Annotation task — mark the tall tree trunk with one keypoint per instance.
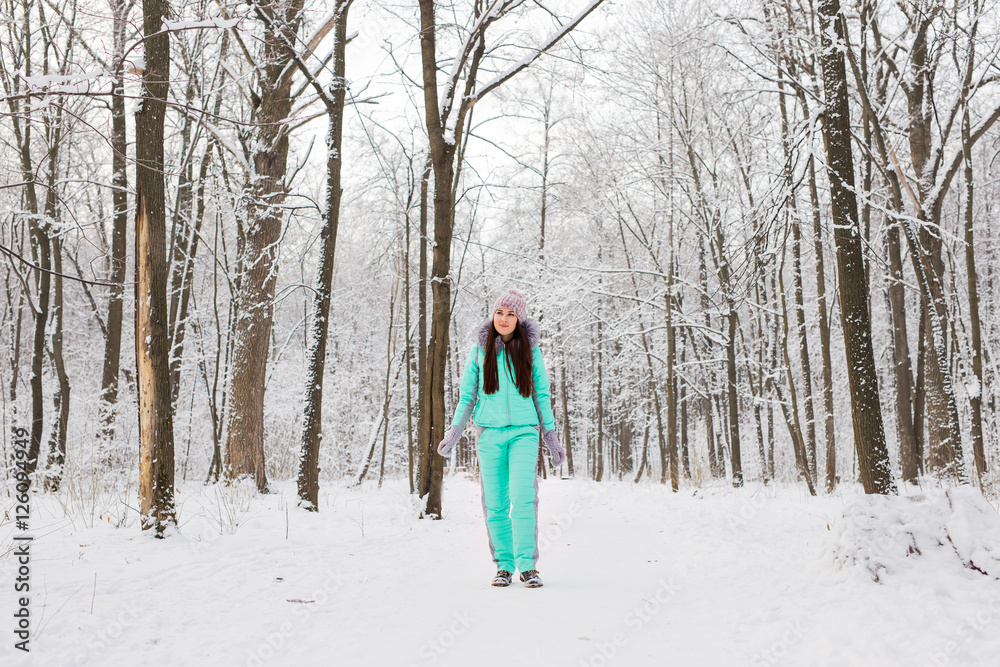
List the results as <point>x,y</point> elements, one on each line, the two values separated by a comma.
<point>409,350</point>
<point>685,450</point>
<point>706,402</point>
<point>442,158</point>
<point>670,303</point>
<point>40,254</point>
<point>258,237</point>
<point>15,347</point>
<point>432,466</point>
<point>599,461</point>
<point>654,389</point>
<point>671,379</point>
<point>564,398</point>
<point>624,441</point>
<point>423,372</point>
<point>733,399</point>
<point>312,423</point>
<point>919,400</point>
<point>800,313</point>
<point>546,140</point>
<point>773,323</point>
<point>60,401</point>
<point>869,435</point>
<point>216,410</point>
<point>976,393</point>
<point>903,375</point>
<point>804,363</point>
<point>156,428</point>
<point>943,438</point>
<point>119,198</point>
<point>714,465</point>
<point>909,425</point>
<point>942,434</point>
<point>760,294</point>
<point>387,393</point>
<point>824,332</point>
<point>792,415</point>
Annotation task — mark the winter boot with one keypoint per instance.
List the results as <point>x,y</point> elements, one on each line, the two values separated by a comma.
<point>502,578</point>
<point>531,579</point>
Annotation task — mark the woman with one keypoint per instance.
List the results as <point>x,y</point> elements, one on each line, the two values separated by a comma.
<point>507,407</point>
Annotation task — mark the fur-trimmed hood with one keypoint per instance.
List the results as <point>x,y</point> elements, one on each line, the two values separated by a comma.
<point>529,325</point>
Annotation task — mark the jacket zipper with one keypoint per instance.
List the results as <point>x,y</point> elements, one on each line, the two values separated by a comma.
<point>507,387</point>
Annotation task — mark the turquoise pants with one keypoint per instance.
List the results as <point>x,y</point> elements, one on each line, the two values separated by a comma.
<point>507,462</point>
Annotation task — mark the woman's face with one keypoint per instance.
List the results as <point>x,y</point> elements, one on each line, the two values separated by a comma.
<point>504,320</point>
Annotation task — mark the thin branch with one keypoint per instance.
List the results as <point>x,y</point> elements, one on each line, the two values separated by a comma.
<point>551,42</point>
<point>100,283</point>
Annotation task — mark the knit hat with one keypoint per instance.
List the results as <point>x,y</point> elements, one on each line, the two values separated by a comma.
<point>511,299</point>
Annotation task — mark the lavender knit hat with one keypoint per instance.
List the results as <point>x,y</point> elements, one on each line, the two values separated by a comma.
<point>511,299</point>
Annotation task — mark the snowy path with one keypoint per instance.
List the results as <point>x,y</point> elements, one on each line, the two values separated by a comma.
<point>634,575</point>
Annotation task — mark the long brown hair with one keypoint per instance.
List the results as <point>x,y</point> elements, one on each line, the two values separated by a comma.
<point>518,359</point>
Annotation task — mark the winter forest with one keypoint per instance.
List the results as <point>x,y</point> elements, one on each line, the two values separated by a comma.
<point>246,249</point>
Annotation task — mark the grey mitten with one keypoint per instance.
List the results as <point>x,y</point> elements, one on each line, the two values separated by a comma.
<point>451,437</point>
<point>556,452</point>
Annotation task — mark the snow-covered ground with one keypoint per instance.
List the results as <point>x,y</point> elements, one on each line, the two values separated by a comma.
<point>634,575</point>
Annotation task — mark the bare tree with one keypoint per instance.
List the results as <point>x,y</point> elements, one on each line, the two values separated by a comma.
<point>21,67</point>
<point>260,219</point>
<point>119,195</point>
<point>866,412</point>
<point>930,126</point>
<point>156,425</point>
<point>312,426</point>
<point>446,112</point>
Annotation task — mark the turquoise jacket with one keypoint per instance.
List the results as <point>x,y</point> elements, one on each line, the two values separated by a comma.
<point>505,407</point>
